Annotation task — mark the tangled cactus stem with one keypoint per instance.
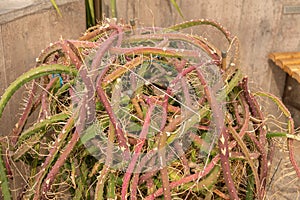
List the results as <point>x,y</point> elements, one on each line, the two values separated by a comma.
<point>261,129</point>
<point>30,75</point>
<point>53,152</point>
<point>59,163</point>
<point>137,152</point>
<point>192,23</point>
<point>108,38</point>
<point>187,179</point>
<point>224,156</point>
<point>21,123</point>
<point>291,128</point>
<point>249,160</point>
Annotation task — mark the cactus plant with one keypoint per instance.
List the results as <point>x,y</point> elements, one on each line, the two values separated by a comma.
<point>141,113</point>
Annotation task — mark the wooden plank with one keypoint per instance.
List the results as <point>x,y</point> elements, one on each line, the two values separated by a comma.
<point>296,75</point>
<point>287,61</point>
<point>290,69</point>
<point>283,55</point>
<point>293,70</point>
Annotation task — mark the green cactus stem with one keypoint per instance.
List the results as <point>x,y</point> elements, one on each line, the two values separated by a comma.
<point>30,75</point>
<point>192,23</point>
<point>3,179</point>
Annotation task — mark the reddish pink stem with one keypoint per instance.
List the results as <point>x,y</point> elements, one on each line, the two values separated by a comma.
<point>187,179</point>
<point>59,163</point>
<point>137,152</point>
<point>224,156</point>
<point>20,124</point>
<point>257,113</point>
<point>291,149</point>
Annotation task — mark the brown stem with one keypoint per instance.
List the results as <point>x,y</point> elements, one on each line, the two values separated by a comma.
<point>147,176</point>
<point>108,162</point>
<point>101,51</point>
<point>163,165</point>
<point>120,70</point>
<point>236,113</point>
<point>137,107</point>
<point>134,186</point>
<point>254,109</point>
<point>216,109</point>
<point>73,53</point>
<point>192,39</point>
<point>104,28</point>
<point>291,128</point>
<point>198,22</point>
<point>245,125</point>
<point>168,52</point>
<point>249,160</point>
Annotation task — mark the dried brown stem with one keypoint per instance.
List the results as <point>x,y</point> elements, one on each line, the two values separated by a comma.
<point>245,151</point>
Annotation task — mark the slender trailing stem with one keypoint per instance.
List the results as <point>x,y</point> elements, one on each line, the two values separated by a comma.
<point>100,183</point>
<point>224,156</point>
<point>119,133</point>
<point>30,75</point>
<point>123,69</point>
<point>187,179</point>
<point>249,160</point>
<point>20,124</point>
<point>44,104</point>
<point>42,126</point>
<point>154,50</point>
<point>99,191</point>
<point>257,113</point>
<point>58,164</point>
<point>198,41</point>
<point>291,128</point>
<point>53,152</point>
<point>137,152</point>
<point>192,23</point>
<point>205,183</point>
